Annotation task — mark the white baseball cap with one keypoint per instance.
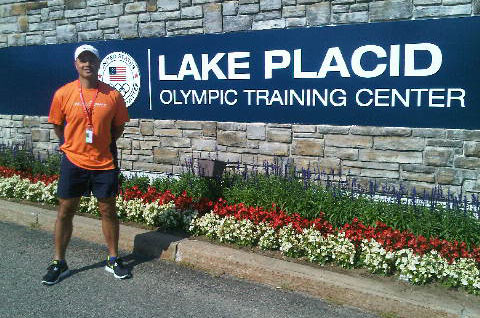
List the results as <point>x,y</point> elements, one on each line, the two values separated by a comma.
<point>84,48</point>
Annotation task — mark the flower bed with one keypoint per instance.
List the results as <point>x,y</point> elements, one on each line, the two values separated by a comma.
<point>380,249</point>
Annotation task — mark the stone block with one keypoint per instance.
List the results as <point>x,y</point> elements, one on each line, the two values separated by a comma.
<point>472,185</point>
<point>86,26</point>
<point>359,7</point>
<point>237,23</point>
<point>429,132</point>
<point>269,24</point>
<point>449,176</point>
<point>183,31</point>
<point>66,33</point>
<point>418,168</point>
<point>124,143</point>
<point>204,144</point>
<point>371,165</point>
<point>467,162</point>
<point>248,8</point>
<point>108,23</point>
<point>350,17</point>
<point>151,5</point>
<point>442,11</point>
<point>151,29</point>
<point>16,39</point>
<point>35,40</point>
<point>438,156</point>
<point>41,135</point>
<point>327,129</point>
<point>472,149</point>
<point>42,26</point>
<point>268,5</point>
<point>279,135</point>
<point>390,10</point>
<point>168,5</point>
<point>9,27</point>
<point>463,134</point>
<point>23,24</point>
<point>75,4</point>
<point>55,15</point>
<point>232,138</point>
<point>318,164</point>
<point>186,124</point>
<point>163,16</point>
<point>94,3</point>
<point>149,145</point>
<point>304,128</point>
<point>162,124</point>
<point>414,176</point>
<point>184,24</point>
<point>476,7</point>
<point>342,153</point>
<point>114,10</point>
<point>229,157</point>
<point>209,129</point>
<point>296,22</point>
<point>147,166</point>
<point>176,142</point>
<point>146,128</point>
<point>165,156</point>
<point>230,8</point>
<point>167,132</point>
<point>432,142</point>
<point>193,12</point>
<point>293,11</point>
<point>90,35</point>
<point>213,18</point>
<point>306,147</point>
<point>390,156</point>
<point>30,121</point>
<point>273,149</point>
<point>426,2</point>
<point>256,131</point>
<point>128,26</point>
<point>372,173</point>
<point>348,141</point>
<point>232,126</point>
<point>318,13</point>
<point>136,7</point>
<point>399,143</point>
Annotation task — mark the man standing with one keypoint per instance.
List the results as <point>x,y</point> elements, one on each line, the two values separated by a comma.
<point>87,116</point>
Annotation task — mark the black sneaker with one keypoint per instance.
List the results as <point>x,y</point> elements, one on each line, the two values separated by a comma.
<point>117,269</point>
<point>56,271</point>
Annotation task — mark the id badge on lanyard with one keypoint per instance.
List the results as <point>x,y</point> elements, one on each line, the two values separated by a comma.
<point>88,112</point>
<point>89,135</point>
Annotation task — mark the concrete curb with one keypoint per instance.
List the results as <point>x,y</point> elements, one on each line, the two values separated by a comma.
<point>377,295</point>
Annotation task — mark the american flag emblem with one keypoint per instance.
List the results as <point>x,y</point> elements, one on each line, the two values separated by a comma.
<point>117,73</point>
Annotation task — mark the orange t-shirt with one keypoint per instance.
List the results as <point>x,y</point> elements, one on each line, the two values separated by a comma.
<point>109,110</point>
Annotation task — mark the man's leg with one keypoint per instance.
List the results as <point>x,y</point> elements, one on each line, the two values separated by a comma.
<point>111,229</point>
<point>64,226</point>
<point>110,224</point>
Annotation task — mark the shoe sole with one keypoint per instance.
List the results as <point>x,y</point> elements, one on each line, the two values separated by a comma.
<point>60,277</point>
<point>110,270</point>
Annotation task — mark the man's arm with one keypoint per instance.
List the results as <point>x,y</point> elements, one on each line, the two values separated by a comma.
<point>117,131</point>
<point>59,130</point>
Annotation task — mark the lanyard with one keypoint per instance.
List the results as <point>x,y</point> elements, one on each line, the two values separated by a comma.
<point>87,111</point>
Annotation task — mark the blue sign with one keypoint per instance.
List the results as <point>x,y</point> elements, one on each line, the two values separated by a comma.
<point>400,74</point>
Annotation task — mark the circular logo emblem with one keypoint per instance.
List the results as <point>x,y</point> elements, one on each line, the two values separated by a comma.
<point>119,70</point>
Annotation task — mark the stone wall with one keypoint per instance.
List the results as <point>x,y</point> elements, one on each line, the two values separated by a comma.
<point>417,157</point>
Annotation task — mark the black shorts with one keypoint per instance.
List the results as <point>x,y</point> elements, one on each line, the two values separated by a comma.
<point>75,182</point>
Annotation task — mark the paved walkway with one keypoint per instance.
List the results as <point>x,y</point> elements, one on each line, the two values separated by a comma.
<point>353,288</point>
